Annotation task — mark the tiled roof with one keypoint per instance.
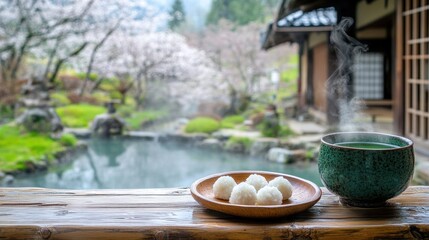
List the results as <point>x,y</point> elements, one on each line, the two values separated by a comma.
<point>314,18</point>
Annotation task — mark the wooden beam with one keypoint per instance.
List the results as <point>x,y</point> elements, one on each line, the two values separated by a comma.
<point>399,81</point>
<point>304,29</point>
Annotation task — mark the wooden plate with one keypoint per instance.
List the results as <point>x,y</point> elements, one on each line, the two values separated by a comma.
<point>305,195</point>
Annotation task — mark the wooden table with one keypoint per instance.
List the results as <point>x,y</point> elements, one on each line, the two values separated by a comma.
<point>36,213</point>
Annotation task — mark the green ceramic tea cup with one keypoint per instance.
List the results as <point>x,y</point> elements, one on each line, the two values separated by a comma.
<point>365,169</point>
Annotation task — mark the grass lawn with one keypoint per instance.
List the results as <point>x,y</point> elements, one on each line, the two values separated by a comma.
<point>79,115</point>
<point>137,119</point>
<point>18,147</point>
<point>202,125</point>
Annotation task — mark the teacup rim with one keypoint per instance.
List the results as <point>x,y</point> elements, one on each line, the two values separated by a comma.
<point>409,142</point>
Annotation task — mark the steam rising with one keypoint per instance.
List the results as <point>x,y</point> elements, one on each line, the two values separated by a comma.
<point>349,109</point>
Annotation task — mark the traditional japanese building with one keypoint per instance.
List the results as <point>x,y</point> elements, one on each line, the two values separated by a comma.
<point>392,76</point>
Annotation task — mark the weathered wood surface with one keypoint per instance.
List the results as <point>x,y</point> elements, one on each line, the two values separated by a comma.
<point>36,213</point>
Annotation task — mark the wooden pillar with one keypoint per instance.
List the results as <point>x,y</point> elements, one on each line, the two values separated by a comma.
<point>399,84</point>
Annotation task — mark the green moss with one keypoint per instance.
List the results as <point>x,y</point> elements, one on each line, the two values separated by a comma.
<point>231,121</point>
<point>245,141</point>
<point>270,130</point>
<point>227,125</point>
<point>109,84</point>
<point>136,119</point>
<point>202,125</point>
<point>60,98</point>
<point>100,97</point>
<point>79,115</point>
<point>286,131</point>
<point>18,147</point>
<point>68,140</point>
<point>279,131</point>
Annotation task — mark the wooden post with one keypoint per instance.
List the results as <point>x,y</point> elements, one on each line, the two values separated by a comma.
<point>398,95</point>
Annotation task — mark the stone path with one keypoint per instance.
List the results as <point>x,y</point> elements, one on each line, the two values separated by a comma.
<point>303,128</point>
<point>237,133</point>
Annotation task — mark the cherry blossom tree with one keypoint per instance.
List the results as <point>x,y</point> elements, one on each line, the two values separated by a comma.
<point>28,25</point>
<point>243,66</point>
<point>113,38</point>
<point>53,32</point>
<point>158,63</point>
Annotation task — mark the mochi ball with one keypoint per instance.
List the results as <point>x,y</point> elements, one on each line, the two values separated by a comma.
<point>223,186</point>
<point>283,185</point>
<point>269,196</point>
<point>244,194</point>
<point>257,181</point>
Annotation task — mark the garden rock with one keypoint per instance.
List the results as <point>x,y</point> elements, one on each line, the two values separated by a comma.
<point>38,114</point>
<point>225,134</point>
<point>81,133</point>
<point>235,147</point>
<point>8,179</point>
<point>106,125</point>
<point>261,146</point>
<point>210,143</point>
<point>184,138</point>
<point>151,136</point>
<point>282,155</point>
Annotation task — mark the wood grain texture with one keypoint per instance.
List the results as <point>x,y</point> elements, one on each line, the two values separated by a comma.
<point>36,213</point>
<point>305,194</point>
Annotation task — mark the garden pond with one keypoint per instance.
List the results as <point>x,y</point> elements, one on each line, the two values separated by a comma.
<point>127,163</point>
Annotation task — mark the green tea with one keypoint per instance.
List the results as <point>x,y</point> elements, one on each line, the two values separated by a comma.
<point>367,145</point>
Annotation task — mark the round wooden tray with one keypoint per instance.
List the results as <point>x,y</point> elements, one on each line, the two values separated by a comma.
<point>305,195</point>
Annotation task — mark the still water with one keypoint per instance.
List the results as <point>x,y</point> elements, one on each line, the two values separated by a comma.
<point>120,163</point>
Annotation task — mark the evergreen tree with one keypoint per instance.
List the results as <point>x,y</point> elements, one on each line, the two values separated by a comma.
<point>240,12</point>
<point>177,15</point>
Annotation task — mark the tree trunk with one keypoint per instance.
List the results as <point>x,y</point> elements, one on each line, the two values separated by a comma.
<point>62,60</point>
<point>15,68</point>
<point>51,59</point>
<point>94,52</point>
<point>97,84</point>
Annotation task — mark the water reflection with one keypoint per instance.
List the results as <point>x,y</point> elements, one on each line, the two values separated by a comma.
<point>119,163</point>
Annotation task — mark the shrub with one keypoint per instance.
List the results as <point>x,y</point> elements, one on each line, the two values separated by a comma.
<point>227,125</point>
<point>244,141</point>
<point>79,115</point>
<point>82,75</point>
<point>269,130</point>
<point>68,140</point>
<point>75,98</point>
<point>202,125</point>
<point>60,98</point>
<point>276,131</point>
<point>137,119</point>
<point>115,95</point>
<point>285,131</point>
<point>70,82</point>
<point>231,121</point>
<point>100,97</point>
<point>129,101</point>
